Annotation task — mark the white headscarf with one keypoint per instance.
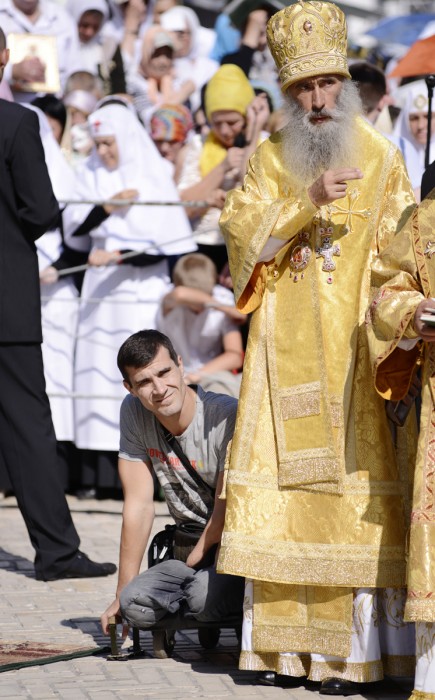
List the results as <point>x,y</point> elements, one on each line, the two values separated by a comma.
<point>83,100</point>
<point>77,8</point>
<point>63,180</point>
<point>178,19</point>
<point>61,173</point>
<point>195,66</point>
<point>413,97</point>
<point>158,229</point>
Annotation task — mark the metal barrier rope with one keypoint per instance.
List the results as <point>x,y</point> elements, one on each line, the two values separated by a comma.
<point>124,256</point>
<point>97,300</point>
<point>135,202</point>
<point>74,395</point>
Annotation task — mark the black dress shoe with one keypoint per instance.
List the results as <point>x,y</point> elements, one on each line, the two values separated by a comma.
<point>277,679</point>
<point>265,678</point>
<point>339,686</point>
<point>80,567</point>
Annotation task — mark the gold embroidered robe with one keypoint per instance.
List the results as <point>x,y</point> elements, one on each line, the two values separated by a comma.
<point>406,271</point>
<point>316,503</point>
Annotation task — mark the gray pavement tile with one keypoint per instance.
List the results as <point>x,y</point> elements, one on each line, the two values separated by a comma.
<point>8,690</point>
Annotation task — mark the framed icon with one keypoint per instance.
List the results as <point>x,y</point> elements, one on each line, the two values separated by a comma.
<point>22,46</point>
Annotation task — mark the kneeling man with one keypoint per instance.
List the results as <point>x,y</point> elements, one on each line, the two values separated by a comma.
<point>160,406</point>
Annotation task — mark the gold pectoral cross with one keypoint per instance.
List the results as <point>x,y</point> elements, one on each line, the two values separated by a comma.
<point>327,250</point>
<point>351,212</point>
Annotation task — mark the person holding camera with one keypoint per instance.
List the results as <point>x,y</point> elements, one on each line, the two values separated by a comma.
<point>212,167</point>
<point>180,433</point>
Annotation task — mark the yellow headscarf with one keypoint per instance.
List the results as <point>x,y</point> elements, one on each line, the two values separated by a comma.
<point>228,89</point>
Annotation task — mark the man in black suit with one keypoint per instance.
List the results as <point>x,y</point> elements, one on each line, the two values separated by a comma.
<point>28,208</point>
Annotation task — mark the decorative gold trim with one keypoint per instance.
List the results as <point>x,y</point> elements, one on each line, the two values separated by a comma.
<point>309,67</point>
<point>400,666</point>
<point>418,610</point>
<point>306,639</point>
<point>260,481</point>
<point>250,398</point>
<point>307,404</point>
<point>296,666</point>
<point>351,487</point>
<point>300,400</point>
<point>337,413</point>
<point>421,695</point>
<point>300,665</point>
<point>309,469</point>
<point>343,567</point>
<point>365,672</point>
<point>307,551</point>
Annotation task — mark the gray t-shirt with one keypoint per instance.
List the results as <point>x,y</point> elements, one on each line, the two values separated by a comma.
<point>204,442</point>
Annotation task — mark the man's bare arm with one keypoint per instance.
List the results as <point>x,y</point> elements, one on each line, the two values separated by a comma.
<point>213,530</point>
<point>137,519</point>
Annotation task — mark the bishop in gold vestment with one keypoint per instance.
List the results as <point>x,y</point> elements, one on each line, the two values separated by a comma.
<point>405,273</point>
<point>317,501</point>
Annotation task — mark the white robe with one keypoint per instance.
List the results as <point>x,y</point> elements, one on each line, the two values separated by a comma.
<point>119,300</point>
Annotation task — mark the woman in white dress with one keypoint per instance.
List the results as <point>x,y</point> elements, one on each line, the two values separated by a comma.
<point>410,130</point>
<point>118,299</point>
<point>59,297</point>
<point>59,310</point>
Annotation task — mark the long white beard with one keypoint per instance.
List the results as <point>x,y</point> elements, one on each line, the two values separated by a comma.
<point>311,149</point>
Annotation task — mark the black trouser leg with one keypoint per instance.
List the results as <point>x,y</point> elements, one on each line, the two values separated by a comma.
<point>28,447</point>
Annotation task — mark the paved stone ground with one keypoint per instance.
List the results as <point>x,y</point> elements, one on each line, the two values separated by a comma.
<point>68,612</point>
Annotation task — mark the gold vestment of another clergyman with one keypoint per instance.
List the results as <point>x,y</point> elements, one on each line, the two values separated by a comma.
<point>317,495</point>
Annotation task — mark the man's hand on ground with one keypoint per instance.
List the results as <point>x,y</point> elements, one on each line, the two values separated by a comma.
<point>113,611</point>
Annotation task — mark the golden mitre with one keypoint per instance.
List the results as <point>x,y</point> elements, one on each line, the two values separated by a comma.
<point>308,39</point>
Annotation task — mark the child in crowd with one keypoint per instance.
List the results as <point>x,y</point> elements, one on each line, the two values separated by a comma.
<point>200,317</point>
<point>152,82</point>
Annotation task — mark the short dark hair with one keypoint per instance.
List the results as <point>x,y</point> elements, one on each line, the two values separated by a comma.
<point>53,107</point>
<point>371,81</point>
<point>141,348</point>
<point>2,39</point>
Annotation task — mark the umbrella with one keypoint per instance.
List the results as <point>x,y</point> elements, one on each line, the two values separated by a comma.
<point>403,30</point>
<point>420,60</point>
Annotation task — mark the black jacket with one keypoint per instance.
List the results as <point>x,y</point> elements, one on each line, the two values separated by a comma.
<point>428,180</point>
<point>28,209</point>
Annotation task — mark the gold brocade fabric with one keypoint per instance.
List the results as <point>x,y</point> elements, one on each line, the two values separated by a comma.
<point>315,497</point>
<point>313,617</point>
<point>406,271</point>
<point>298,666</point>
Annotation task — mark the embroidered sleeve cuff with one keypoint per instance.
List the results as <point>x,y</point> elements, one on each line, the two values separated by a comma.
<point>295,214</point>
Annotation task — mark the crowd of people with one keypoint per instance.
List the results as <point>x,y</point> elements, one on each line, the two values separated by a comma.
<point>207,177</point>
<point>143,114</point>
